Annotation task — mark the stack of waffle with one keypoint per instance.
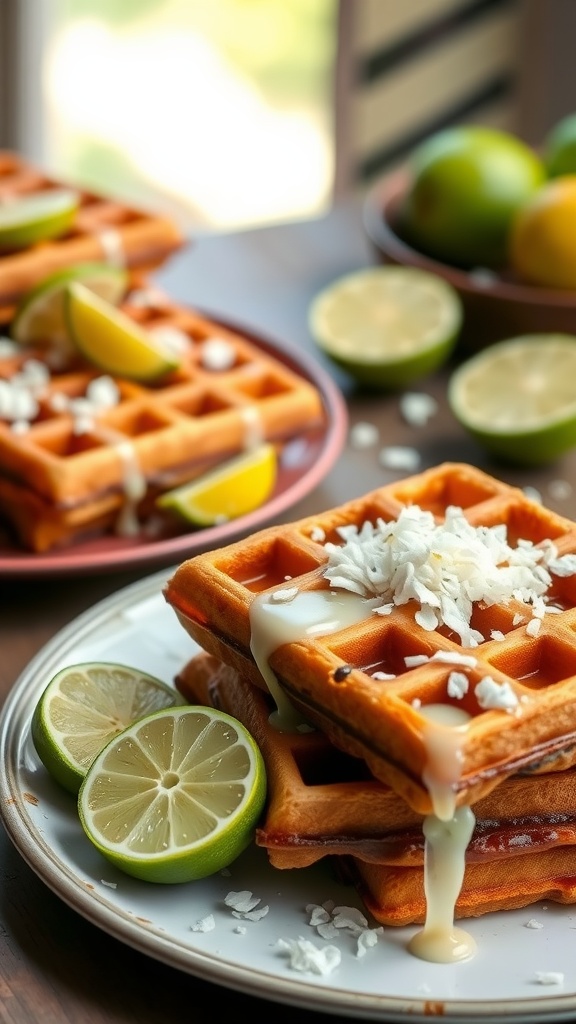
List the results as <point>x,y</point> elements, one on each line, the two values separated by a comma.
<point>357,788</point>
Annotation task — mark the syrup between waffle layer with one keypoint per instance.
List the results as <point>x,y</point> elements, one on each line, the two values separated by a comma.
<point>330,678</point>
<point>56,482</point>
<point>323,803</point>
<point>104,230</point>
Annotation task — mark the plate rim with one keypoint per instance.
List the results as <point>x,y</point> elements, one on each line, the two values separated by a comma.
<point>21,564</point>
<point>119,924</point>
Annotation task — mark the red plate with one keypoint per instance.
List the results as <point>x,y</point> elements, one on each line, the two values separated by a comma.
<point>305,461</point>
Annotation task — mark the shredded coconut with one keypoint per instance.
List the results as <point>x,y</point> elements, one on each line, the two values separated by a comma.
<point>491,694</point>
<point>204,924</point>
<point>399,457</point>
<point>244,905</point>
<point>111,885</point>
<point>417,408</point>
<point>364,435</point>
<point>285,595</point>
<point>497,634</point>
<point>533,627</point>
<point>533,493</point>
<point>549,977</point>
<point>330,920</point>
<point>317,534</point>
<point>217,354</point>
<point>445,568</point>
<point>457,685</point>
<point>304,956</point>
<point>533,923</point>
<point>559,490</point>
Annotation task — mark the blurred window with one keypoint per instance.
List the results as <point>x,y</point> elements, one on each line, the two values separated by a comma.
<point>218,111</point>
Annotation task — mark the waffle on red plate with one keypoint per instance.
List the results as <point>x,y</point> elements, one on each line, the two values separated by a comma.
<point>426,628</point>
<point>59,483</point>
<point>103,230</point>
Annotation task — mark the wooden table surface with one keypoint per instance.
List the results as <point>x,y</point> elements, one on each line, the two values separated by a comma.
<point>54,965</point>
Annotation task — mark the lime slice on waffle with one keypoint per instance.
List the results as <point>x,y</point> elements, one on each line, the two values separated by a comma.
<point>387,325</point>
<point>518,397</point>
<point>109,339</point>
<point>176,796</point>
<point>39,317</point>
<point>36,217</point>
<point>84,707</point>
<point>233,489</point>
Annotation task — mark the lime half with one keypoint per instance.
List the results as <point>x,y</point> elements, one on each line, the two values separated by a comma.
<point>111,340</point>
<point>37,217</point>
<point>39,317</point>
<point>176,796</point>
<point>518,397</point>
<point>84,707</point>
<point>387,325</point>
<point>233,489</point>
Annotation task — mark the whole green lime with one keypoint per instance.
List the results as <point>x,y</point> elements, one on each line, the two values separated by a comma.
<point>465,186</point>
<point>559,150</point>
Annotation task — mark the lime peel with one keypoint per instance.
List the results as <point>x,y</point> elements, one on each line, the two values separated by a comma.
<point>83,707</point>
<point>518,399</point>
<point>176,796</point>
<point>37,217</point>
<point>387,326</point>
<point>40,319</point>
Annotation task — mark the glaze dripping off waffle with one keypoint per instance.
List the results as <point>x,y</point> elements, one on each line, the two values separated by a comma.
<point>369,685</point>
<point>57,483</point>
<point>324,803</point>
<point>104,229</point>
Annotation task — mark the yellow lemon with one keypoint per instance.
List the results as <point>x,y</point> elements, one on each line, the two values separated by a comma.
<point>111,340</point>
<point>543,236</point>
<point>233,489</point>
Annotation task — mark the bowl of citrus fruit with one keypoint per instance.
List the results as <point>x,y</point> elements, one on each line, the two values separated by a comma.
<point>492,216</point>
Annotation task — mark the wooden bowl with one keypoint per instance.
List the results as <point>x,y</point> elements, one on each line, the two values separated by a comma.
<point>496,306</point>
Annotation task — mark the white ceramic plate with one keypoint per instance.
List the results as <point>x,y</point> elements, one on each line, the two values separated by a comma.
<point>501,983</point>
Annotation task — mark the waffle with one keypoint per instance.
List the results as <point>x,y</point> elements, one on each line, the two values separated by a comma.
<point>323,803</point>
<point>57,483</point>
<point>331,679</point>
<point>104,230</point>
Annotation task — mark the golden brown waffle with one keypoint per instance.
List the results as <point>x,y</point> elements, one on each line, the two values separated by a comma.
<point>104,230</point>
<point>395,895</point>
<point>56,482</point>
<point>330,678</point>
<point>323,803</point>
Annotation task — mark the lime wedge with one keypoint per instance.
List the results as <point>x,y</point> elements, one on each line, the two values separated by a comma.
<point>518,397</point>
<point>110,339</point>
<point>39,317</point>
<point>84,707</point>
<point>233,489</point>
<point>387,325</point>
<point>176,796</point>
<point>37,217</point>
